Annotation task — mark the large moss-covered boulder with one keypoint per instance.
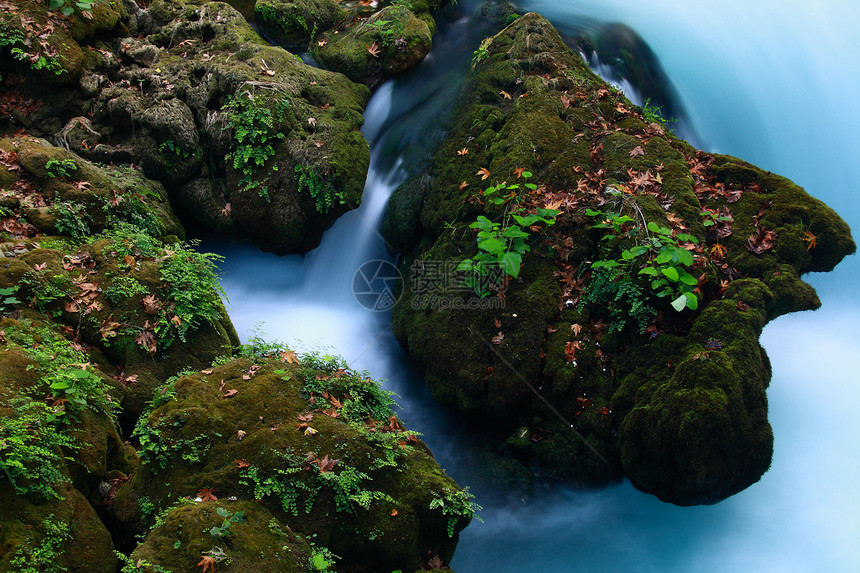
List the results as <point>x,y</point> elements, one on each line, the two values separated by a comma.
<point>315,443</point>
<point>645,364</point>
<point>385,44</point>
<point>294,22</point>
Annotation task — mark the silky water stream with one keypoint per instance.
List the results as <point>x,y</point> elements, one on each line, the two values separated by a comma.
<point>772,83</point>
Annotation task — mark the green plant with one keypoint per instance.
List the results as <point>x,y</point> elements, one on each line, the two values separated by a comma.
<point>123,287</point>
<point>41,292</point>
<point>654,114</point>
<point>192,289</point>
<point>41,555</point>
<point>624,301</point>
<point>223,531</point>
<point>254,122</point>
<point>60,168</point>
<point>320,188</point>
<point>456,504</point>
<point>502,244</point>
<point>8,300</point>
<point>65,6</point>
<point>30,455</point>
<point>482,53</point>
<point>79,389</point>
<point>72,219</point>
<point>321,559</point>
<point>38,55</point>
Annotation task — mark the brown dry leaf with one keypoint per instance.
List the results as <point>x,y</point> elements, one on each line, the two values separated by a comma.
<point>312,121</point>
<point>241,464</point>
<point>228,208</point>
<point>322,43</point>
<point>497,322</point>
<point>497,339</point>
<point>570,349</point>
<point>206,372</point>
<point>230,393</point>
<point>519,171</point>
<point>463,185</point>
<point>566,101</point>
<point>331,413</point>
<point>326,464</point>
<point>246,377</point>
<point>318,143</point>
<point>505,94</point>
<point>289,357</point>
<point>269,73</point>
<point>221,385</point>
<point>811,240</point>
<point>483,172</point>
<point>146,338</point>
<point>638,150</point>
<point>306,416</point>
<point>463,151</point>
<point>40,267</point>
<point>129,260</point>
<point>373,49</point>
<point>550,329</point>
<point>151,305</point>
<point>240,434</point>
<point>393,513</point>
<point>576,328</point>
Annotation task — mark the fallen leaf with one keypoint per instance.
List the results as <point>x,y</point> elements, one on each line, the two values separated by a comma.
<point>497,339</point>
<point>326,464</point>
<point>312,121</point>
<point>246,377</point>
<point>306,416</point>
<point>638,150</point>
<point>230,393</point>
<point>322,43</point>
<point>310,431</point>
<point>497,322</point>
<point>40,267</point>
<point>505,94</point>
<point>240,434</point>
<point>550,329</point>
<point>206,372</point>
<point>463,185</point>
<point>289,357</point>
<point>393,513</point>
<point>463,151</point>
<point>208,563</point>
<point>483,172</point>
<point>151,305</point>
<point>570,349</point>
<point>241,464</point>
<point>811,240</point>
<point>373,49</point>
<point>207,494</point>
<point>575,328</point>
<point>318,143</point>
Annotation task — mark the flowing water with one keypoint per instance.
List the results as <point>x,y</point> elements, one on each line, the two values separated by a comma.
<point>770,81</point>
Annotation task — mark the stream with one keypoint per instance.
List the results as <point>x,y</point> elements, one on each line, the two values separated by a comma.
<point>769,81</point>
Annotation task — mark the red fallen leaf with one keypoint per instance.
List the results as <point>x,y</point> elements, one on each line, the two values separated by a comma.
<point>373,49</point>
<point>221,385</point>
<point>89,289</point>
<point>497,322</point>
<point>488,373</point>
<point>335,402</point>
<point>570,349</point>
<point>306,416</point>
<point>638,150</point>
<point>128,260</point>
<point>230,393</point>
<point>497,339</point>
<point>435,562</point>
<point>811,240</point>
<point>718,251</point>
<point>550,329</point>
<point>331,413</point>
<point>151,305</point>
<point>742,305</point>
<point>208,563</point>
<point>241,464</point>
<point>483,172</point>
<point>583,402</point>
<point>606,411</point>
<point>207,494</point>
<point>176,320</point>
<point>463,185</point>
<point>394,423</point>
<point>40,267</point>
<point>72,306</point>
<point>393,513</point>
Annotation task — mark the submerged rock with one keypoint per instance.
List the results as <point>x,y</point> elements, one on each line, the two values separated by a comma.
<point>646,364</point>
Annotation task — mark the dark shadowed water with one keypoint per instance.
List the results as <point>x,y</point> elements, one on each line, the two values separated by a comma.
<point>773,82</point>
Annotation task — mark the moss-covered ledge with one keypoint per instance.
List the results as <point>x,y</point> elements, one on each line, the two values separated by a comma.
<point>673,399</point>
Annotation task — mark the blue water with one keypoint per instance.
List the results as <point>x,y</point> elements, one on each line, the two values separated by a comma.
<point>772,82</point>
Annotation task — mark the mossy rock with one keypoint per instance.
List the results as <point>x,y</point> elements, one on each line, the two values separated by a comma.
<point>74,197</point>
<point>255,542</point>
<point>63,532</point>
<point>251,430</point>
<point>387,43</point>
<point>673,400</point>
<point>293,22</point>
